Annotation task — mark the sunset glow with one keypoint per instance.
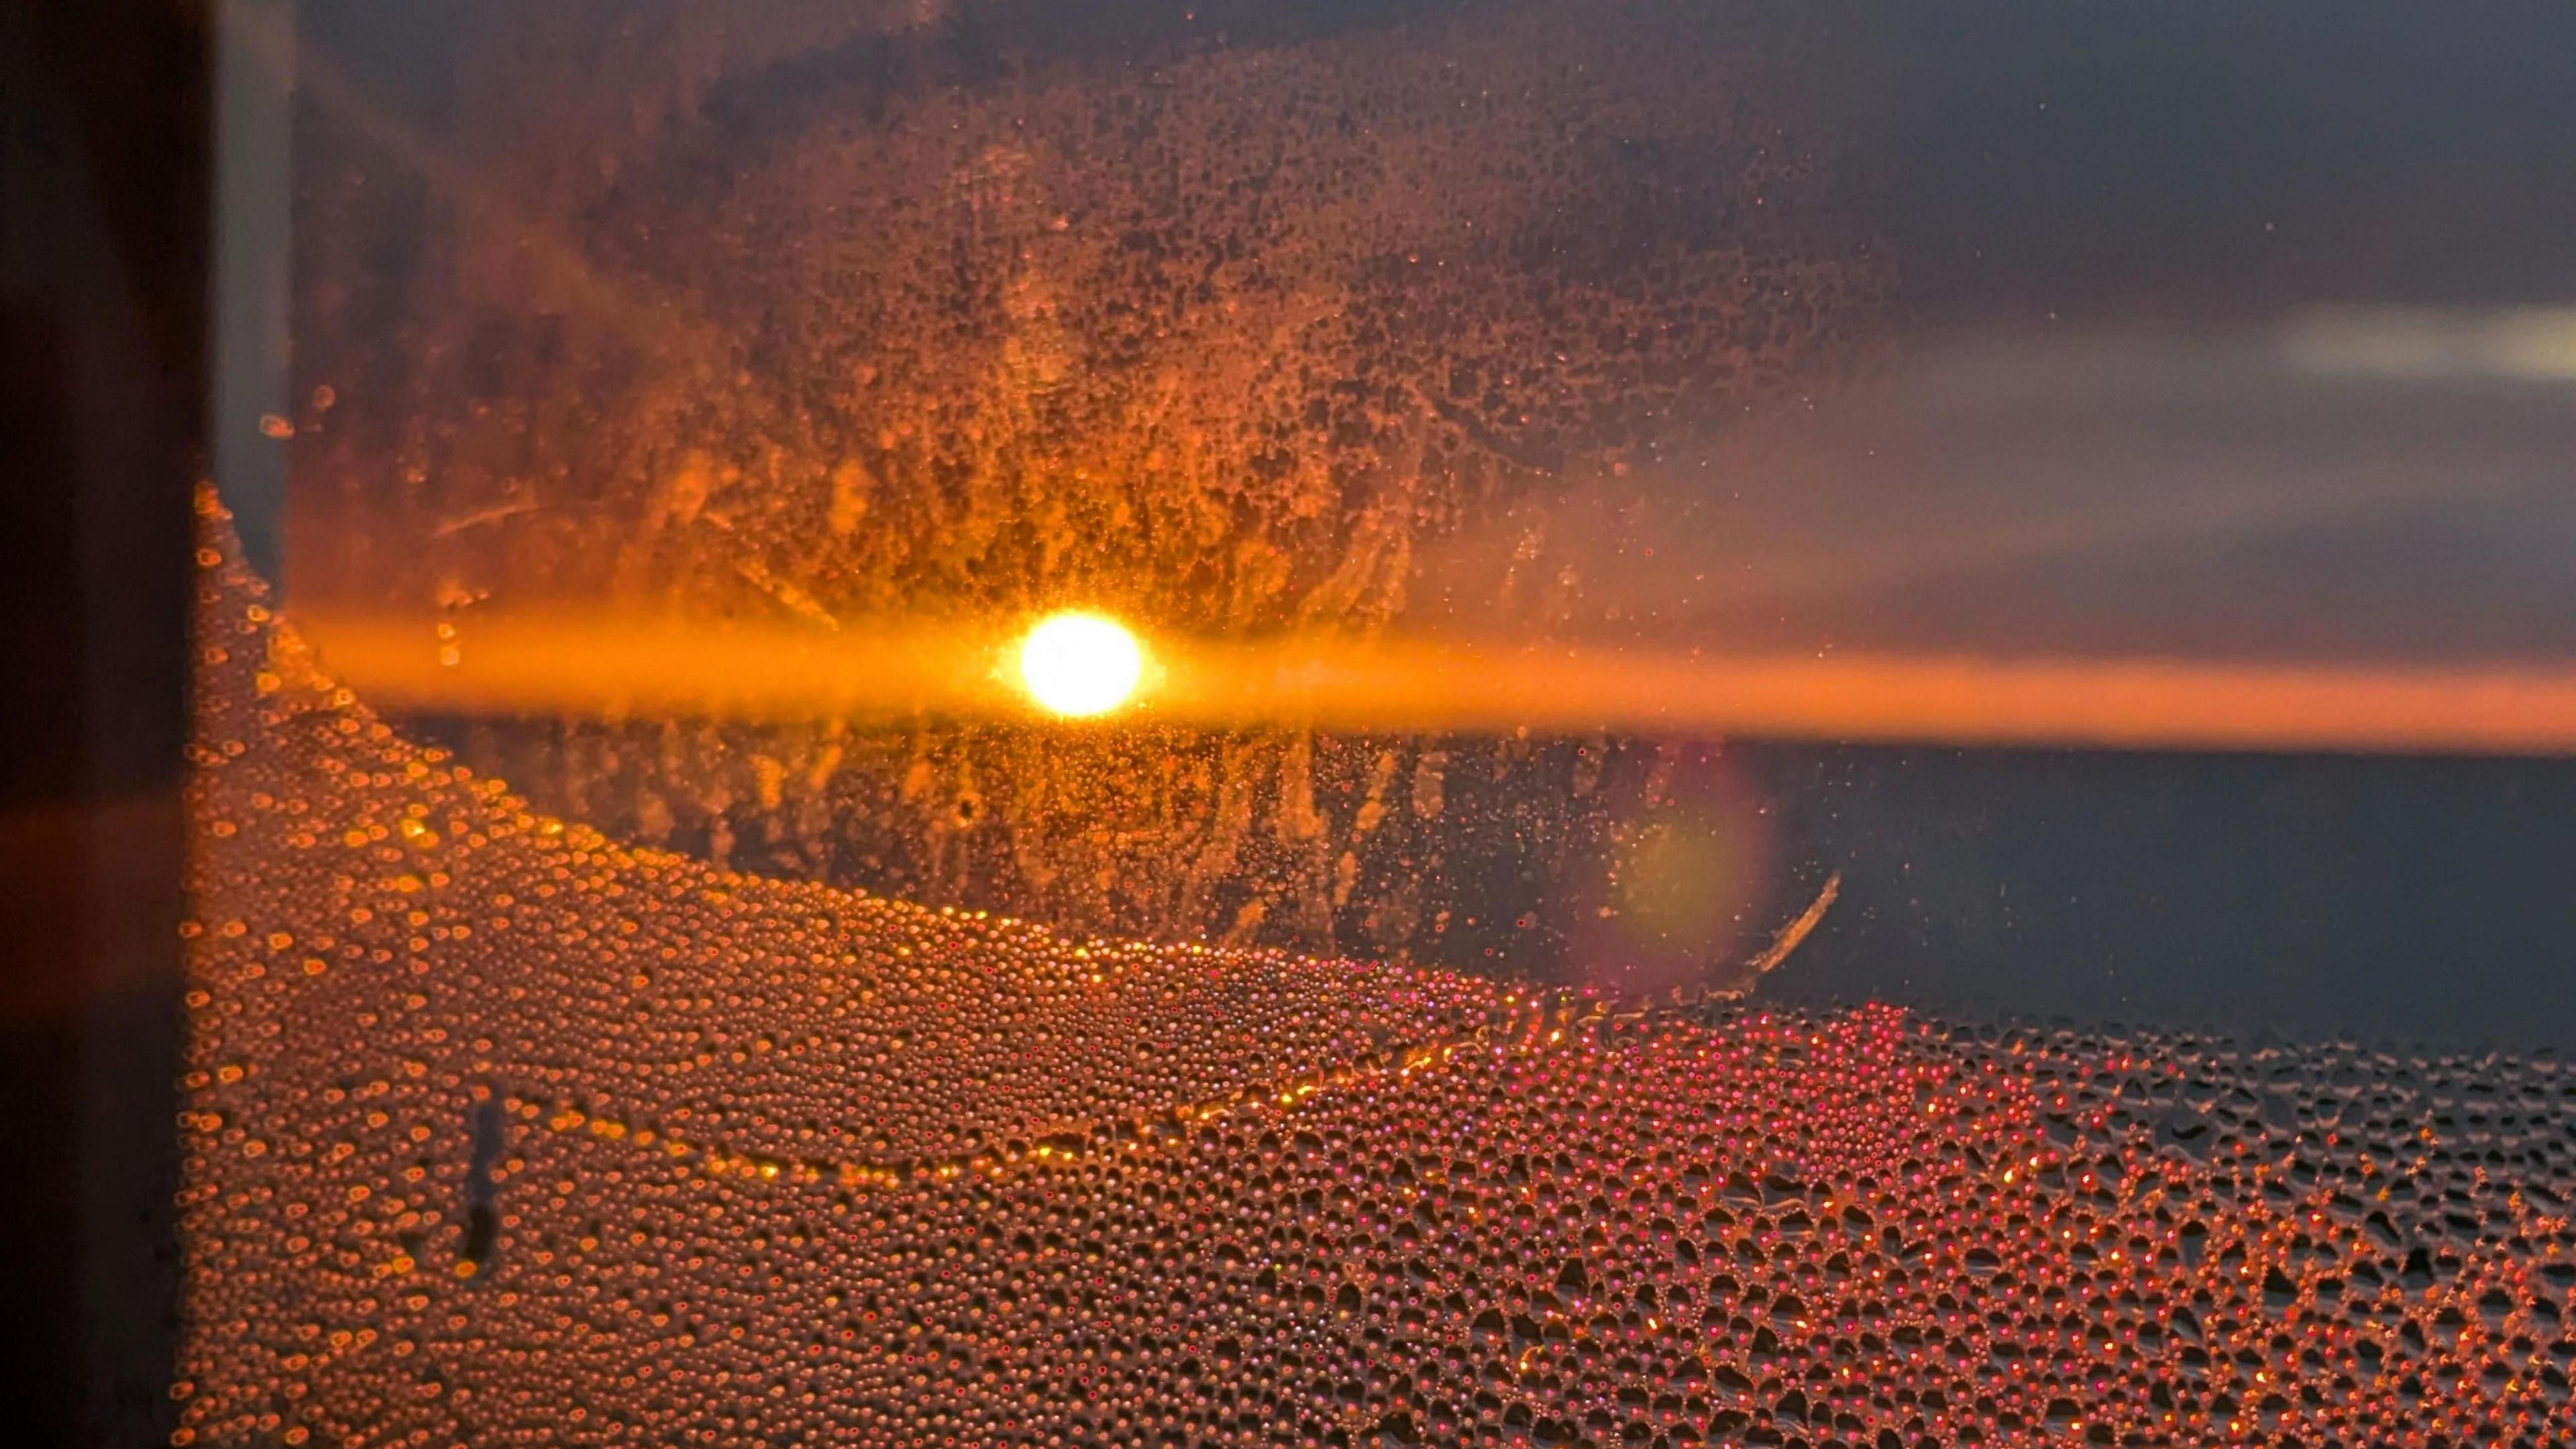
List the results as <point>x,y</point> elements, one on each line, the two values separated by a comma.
<point>1080,665</point>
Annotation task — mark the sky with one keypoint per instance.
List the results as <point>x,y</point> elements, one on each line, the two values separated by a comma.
<point>2114,216</point>
<point>2206,348</point>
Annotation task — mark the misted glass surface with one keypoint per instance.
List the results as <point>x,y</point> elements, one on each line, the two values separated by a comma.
<point>1617,723</point>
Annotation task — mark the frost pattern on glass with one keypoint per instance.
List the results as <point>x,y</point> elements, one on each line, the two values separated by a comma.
<point>1224,328</point>
<point>503,1133</point>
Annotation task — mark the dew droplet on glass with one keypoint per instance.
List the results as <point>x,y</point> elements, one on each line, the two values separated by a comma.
<point>503,1132</point>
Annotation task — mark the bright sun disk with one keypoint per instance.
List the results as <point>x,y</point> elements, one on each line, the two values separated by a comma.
<point>1080,664</point>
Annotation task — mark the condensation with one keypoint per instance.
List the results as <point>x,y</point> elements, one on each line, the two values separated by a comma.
<point>500,1132</point>
<point>1216,323</point>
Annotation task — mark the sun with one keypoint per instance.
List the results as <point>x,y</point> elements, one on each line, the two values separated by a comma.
<point>1080,664</point>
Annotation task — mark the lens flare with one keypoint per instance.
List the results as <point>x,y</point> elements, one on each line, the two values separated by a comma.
<point>1080,664</point>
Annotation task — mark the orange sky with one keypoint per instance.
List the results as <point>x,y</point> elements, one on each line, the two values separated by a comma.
<point>587,666</point>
